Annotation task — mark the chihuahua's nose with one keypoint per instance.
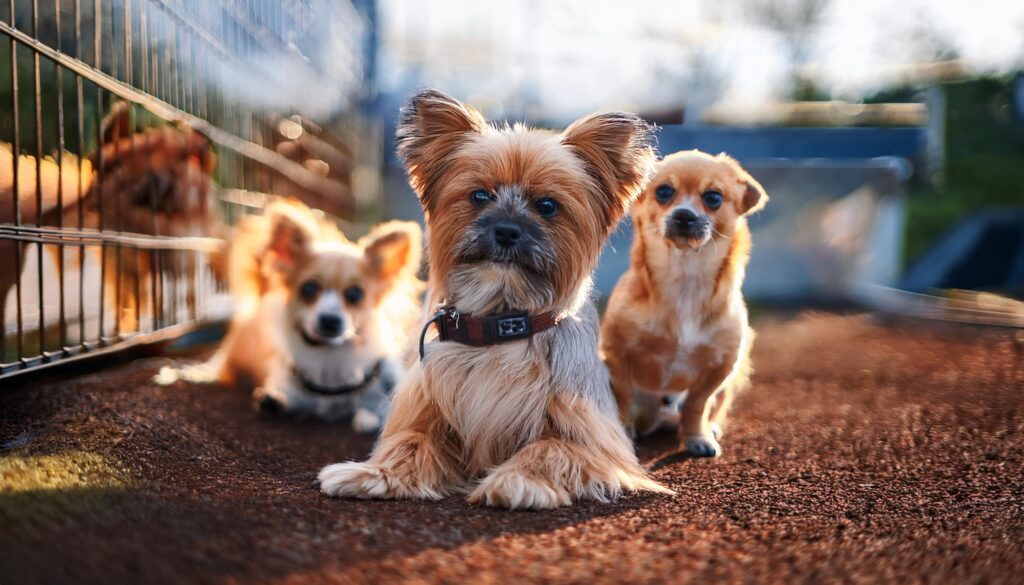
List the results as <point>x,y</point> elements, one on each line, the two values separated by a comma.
<point>507,234</point>
<point>329,325</point>
<point>684,218</point>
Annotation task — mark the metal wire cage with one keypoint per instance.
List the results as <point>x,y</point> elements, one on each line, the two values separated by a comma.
<point>133,133</point>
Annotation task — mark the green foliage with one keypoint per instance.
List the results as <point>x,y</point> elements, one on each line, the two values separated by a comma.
<point>984,164</point>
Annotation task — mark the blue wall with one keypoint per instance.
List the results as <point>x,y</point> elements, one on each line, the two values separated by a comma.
<point>798,143</point>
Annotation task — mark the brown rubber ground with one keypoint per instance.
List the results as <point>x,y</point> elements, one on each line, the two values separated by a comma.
<point>864,453</point>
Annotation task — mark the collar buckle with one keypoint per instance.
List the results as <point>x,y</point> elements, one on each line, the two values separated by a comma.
<point>512,326</point>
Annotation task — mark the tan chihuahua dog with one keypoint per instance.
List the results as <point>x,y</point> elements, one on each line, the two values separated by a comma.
<point>676,321</point>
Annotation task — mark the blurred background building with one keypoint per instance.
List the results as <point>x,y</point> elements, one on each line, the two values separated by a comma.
<point>875,126</point>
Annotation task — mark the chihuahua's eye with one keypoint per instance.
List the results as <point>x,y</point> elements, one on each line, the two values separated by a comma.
<point>480,197</point>
<point>664,193</point>
<point>712,199</point>
<point>353,294</point>
<point>546,207</point>
<point>309,290</point>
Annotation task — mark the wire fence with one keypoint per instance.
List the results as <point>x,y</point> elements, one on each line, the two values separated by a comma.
<point>135,132</point>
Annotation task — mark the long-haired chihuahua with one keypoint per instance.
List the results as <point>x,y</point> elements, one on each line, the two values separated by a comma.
<point>321,323</point>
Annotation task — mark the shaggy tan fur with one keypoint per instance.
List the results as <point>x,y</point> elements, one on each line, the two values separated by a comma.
<point>528,423</point>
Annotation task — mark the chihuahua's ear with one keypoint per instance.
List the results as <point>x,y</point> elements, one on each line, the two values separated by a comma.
<point>754,198</point>
<point>293,229</point>
<point>394,249</point>
<point>431,126</point>
<point>617,149</point>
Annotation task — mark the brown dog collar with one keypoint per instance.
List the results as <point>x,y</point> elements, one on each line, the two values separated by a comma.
<point>492,330</point>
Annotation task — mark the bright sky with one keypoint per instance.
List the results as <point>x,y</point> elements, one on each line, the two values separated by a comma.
<point>559,59</point>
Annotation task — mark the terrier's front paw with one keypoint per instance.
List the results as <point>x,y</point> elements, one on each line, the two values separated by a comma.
<point>513,490</point>
<point>353,480</point>
<point>365,421</point>
<point>701,446</point>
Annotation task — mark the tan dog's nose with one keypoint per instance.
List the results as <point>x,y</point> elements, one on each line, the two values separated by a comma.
<point>329,325</point>
<point>685,219</point>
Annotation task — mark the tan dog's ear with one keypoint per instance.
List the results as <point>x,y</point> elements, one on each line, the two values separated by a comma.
<point>430,128</point>
<point>118,123</point>
<point>617,149</point>
<point>293,229</point>
<point>754,198</point>
<point>200,147</point>
<point>394,249</point>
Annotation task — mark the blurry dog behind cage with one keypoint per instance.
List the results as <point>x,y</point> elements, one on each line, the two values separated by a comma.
<point>155,182</point>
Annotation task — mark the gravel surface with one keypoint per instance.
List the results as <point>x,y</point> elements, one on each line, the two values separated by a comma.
<point>864,453</point>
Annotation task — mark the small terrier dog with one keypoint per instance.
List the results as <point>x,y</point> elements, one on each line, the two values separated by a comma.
<point>321,323</point>
<point>510,403</point>
<point>676,321</point>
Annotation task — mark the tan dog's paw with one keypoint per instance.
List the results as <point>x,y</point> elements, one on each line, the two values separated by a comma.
<point>354,480</point>
<point>701,446</point>
<point>513,490</point>
<point>195,374</point>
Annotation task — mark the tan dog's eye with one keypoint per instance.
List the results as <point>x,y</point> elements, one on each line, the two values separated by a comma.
<point>353,294</point>
<point>309,290</point>
<point>712,199</point>
<point>664,193</point>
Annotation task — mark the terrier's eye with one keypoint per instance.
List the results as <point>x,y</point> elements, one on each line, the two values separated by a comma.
<point>546,207</point>
<point>712,199</point>
<point>309,290</point>
<point>353,294</point>
<point>664,193</point>
<point>480,197</point>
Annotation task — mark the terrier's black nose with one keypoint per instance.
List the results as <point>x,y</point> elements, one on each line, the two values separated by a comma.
<point>329,325</point>
<point>507,234</point>
<point>684,218</point>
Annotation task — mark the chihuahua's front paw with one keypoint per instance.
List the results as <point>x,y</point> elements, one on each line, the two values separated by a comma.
<point>511,489</point>
<point>353,480</point>
<point>701,446</point>
<point>365,421</point>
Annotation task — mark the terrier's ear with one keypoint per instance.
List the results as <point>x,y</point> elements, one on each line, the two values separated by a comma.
<point>293,229</point>
<point>393,249</point>
<point>617,149</point>
<point>431,126</point>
